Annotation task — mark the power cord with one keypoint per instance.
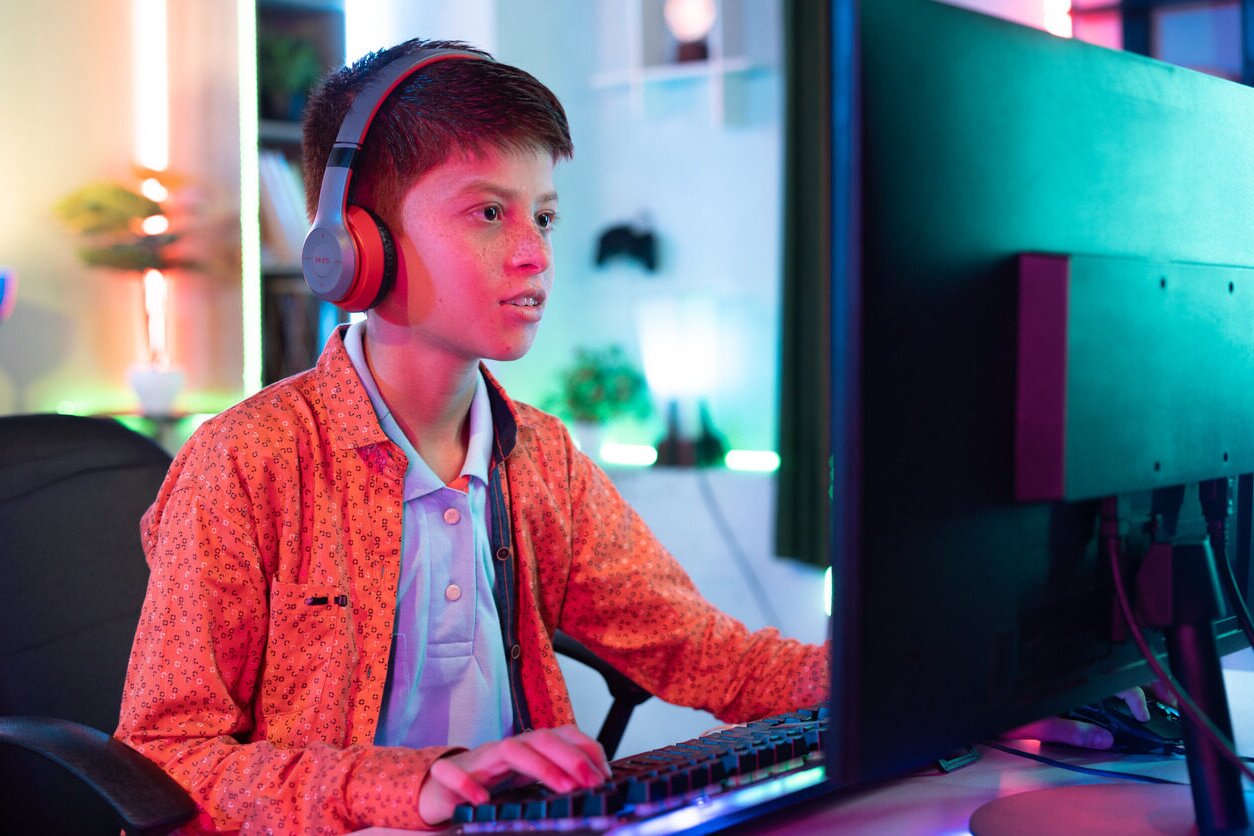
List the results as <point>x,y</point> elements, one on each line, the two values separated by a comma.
<point>725,531</point>
<point>1083,770</point>
<point>1185,703</point>
<point>1216,500</point>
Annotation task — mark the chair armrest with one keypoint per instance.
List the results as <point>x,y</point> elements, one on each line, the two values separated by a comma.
<point>146,799</point>
<point>625,693</point>
<point>621,686</point>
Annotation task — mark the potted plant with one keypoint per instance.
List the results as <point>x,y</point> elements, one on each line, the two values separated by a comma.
<point>287,68</point>
<point>109,216</point>
<point>127,231</point>
<point>601,385</point>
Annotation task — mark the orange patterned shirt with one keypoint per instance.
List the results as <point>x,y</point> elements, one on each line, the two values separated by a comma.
<point>257,674</point>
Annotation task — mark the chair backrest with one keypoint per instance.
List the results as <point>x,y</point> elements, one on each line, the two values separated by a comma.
<point>72,580</point>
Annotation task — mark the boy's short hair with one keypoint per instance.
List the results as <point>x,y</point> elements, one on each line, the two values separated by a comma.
<point>447,107</point>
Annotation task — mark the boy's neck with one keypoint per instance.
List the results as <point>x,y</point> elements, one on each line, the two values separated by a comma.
<point>428,396</point>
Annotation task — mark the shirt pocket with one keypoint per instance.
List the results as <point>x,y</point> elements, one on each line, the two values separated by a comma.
<point>308,667</point>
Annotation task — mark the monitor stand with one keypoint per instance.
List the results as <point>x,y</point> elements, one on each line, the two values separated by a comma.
<point>1178,589</point>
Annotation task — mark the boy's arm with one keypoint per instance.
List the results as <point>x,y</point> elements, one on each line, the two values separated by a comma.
<point>630,602</point>
<point>194,675</point>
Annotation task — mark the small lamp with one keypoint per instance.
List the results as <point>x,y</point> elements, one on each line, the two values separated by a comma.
<point>679,340</point>
<point>155,382</point>
<point>690,21</point>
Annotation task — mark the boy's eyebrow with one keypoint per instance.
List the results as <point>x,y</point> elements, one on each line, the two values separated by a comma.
<point>503,191</point>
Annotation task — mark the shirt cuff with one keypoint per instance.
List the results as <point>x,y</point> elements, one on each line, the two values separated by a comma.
<point>383,788</point>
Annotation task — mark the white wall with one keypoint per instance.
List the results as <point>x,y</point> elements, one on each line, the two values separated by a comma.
<point>710,185</point>
<point>66,105</point>
<point>64,83</point>
<point>1027,12</point>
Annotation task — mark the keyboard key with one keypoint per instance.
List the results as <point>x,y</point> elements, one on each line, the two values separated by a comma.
<point>560,807</point>
<point>593,804</point>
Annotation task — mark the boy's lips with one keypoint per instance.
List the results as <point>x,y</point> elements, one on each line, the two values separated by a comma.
<point>526,299</point>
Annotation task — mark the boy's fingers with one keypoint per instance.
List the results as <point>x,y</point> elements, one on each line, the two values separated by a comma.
<point>526,755</point>
<point>1134,698</point>
<point>1162,693</point>
<point>457,781</point>
<point>562,758</point>
<point>587,745</point>
<point>446,785</point>
<point>1062,730</point>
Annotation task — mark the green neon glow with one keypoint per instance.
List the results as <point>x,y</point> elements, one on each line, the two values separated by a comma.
<point>756,461</point>
<point>249,196</point>
<point>628,455</point>
<point>827,591</point>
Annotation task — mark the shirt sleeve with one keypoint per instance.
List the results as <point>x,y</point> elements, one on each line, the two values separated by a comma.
<point>631,603</point>
<point>193,679</point>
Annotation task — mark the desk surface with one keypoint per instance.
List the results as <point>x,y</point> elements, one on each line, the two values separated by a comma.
<point>935,803</point>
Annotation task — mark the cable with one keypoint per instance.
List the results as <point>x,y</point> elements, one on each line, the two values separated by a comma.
<point>733,545</point>
<point>1110,534</point>
<point>1228,581</point>
<point>1084,770</point>
<point>1216,496</point>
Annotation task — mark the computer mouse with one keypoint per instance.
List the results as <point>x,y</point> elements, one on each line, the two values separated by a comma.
<point>1162,734</point>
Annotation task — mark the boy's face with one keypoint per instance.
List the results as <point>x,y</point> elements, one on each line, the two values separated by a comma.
<point>475,261</point>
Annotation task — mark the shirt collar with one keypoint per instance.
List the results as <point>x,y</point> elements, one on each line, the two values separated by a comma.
<point>419,478</point>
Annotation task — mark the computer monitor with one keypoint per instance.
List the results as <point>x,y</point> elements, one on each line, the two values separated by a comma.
<point>985,405</point>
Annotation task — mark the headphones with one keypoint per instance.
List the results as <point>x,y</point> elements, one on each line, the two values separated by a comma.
<point>349,257</point>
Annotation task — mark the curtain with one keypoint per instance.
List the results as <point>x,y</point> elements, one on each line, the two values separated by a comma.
<point>804,478</point>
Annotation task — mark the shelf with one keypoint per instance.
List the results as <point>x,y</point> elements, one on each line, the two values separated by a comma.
<point>640,53</point>
<point>278,132</point>
<point>292,320</point>
<point>666,73</point>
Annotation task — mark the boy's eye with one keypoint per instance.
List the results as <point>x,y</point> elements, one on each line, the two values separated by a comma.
<point>491,213</point>
<point>545,220</point>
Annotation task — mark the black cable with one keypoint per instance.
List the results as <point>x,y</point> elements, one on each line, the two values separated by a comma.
<point>1084,770</point>
<point>1185,703</point>
<point>1228,581</point>
<point>1216,499</point>
<point>747,571</point>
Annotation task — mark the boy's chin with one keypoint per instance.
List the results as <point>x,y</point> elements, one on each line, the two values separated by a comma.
<point>507,353</point>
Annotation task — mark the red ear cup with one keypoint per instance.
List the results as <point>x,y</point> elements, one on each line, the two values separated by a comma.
<point>376,260</point>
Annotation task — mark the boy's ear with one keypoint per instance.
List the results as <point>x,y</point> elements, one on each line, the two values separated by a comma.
<point>376,260</point>
<point>349,258</point>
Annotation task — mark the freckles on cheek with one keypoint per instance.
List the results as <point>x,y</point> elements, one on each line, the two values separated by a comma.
<point>414,281</point>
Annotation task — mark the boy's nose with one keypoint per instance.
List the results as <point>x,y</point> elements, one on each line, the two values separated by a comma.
<point>530,250</point>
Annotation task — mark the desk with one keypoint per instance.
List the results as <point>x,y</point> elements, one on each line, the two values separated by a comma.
<point>935,803</point>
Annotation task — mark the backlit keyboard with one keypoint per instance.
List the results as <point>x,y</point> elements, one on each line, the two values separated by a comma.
<point>645,784</point>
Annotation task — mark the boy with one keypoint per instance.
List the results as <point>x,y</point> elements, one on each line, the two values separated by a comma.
<point>356,573</point>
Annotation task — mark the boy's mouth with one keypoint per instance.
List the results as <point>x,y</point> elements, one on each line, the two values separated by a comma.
<point>529,299</point>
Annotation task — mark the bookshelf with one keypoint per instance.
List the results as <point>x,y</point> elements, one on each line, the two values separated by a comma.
<point>297,41</point>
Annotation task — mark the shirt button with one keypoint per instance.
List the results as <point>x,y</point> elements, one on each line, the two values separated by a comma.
<point>515,652</point>
<point>452,592</point>
<point>502,553</point>
<point>451,516</point>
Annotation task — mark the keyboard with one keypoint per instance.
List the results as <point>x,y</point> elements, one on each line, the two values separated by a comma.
<point>717,770</point>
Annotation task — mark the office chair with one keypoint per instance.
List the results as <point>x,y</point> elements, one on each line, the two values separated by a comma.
<point>624,692</point>
<point>72,491</point>
<point>72,579</point>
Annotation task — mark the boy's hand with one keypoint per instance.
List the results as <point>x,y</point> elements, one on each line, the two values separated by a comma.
<point>563,759</point>
<point>1086,735</point>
